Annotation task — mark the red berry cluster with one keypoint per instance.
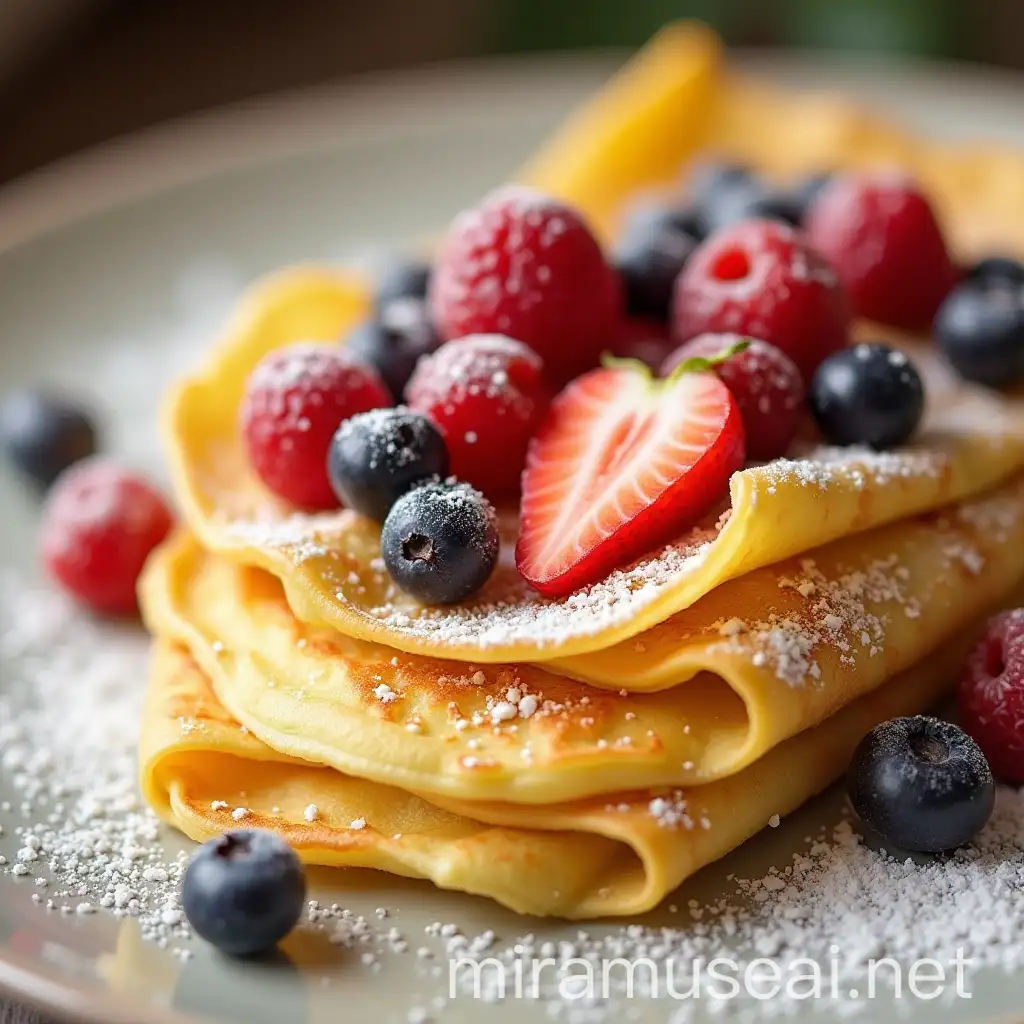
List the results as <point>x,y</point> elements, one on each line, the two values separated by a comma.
<point>521,301</point>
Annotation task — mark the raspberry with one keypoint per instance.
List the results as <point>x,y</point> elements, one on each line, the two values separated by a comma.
<point>991,695</point>
<point>759,278</point>
<point>294,402</point>
<point>880,234</point>
<point>487,395</point>
<point>100,523</point>
<point>767,387</point>
<point>526,266</point>
<point>642,338</point>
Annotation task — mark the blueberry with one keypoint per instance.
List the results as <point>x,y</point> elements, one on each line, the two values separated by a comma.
<point>440,542</point>
<point>244,892</point>
<point>997,270</point>
<point>45,433</point>
<point>655,245</point>
<point>980,330</point>
<point>394,340</point>
<point>406,279</point>
<point>868,394</point>
<point>921,784</point>
<point>377,456</point>
<point>710,181</point>
<point>752,202</point>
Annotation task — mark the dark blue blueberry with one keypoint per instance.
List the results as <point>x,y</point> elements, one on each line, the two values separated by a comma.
<point>868,394</point>
<point>407,279</point>
<point>750,202</point>
<point>922,784</point>
<point>377,456</point>
<point>244,892</point>
<point>980,330</point>
<point>393,342</point>
<point>997,270</point>
<point>709,181</point>
<point>440,542</point>
<point>655,245</point>
<point>44,433</point>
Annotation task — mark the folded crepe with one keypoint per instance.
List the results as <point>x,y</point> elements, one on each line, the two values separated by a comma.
<point>672,101</point>
<point>623,737</point>
<point>700,697</point>
<point>330,566</point>
<point>608,855</point>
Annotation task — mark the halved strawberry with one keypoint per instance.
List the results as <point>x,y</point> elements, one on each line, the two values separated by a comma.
<point>622,464</point>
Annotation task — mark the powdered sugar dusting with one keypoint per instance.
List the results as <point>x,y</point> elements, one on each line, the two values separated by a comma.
<point>69,718</point>
<point>508,611</point>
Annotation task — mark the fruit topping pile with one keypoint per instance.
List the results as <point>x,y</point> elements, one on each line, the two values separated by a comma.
<point>609,394</point>
<point>612,394</point>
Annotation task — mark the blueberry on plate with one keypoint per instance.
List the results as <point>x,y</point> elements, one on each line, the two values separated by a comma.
<point>377,456</point>
<point>868,394</point>
<point>394,340</point>
<point>244,892</point>
<point>440,542</point>
<point>44,433</point>
<point>921,783</point>
<point>404,279</point>
<point>656,243</point>
<point>997,270</point>
<point>980,328</point>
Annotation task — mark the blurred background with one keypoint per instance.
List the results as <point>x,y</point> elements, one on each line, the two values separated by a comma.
<point>76,72</point>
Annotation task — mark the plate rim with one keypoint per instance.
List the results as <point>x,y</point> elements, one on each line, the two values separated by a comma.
<point>291,125</point>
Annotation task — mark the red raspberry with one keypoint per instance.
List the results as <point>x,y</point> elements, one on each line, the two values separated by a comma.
<point>767,387</point>
<point>295,400</point>
<point>526,266</point>
<point>100,523</point>
<point>880,234</point>
<point>487,395</point>
<point>759,278</point>
<point>642,339</point>
<point>991,695</point>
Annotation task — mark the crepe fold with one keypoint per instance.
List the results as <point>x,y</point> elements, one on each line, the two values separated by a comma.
<point>410,770</point>
<point>581,757</point>
<point>613,855</point>
<point>696,699</point>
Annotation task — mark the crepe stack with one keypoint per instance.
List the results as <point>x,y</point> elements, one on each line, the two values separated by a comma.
<point>581,757</point>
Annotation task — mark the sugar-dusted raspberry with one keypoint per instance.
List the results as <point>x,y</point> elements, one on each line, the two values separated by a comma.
<point>991,695</point>
<point>295,400</point>
<point>487,395</point>
<point>525,265</point>
<point>764,381</point>
<point>760,278</point>
<point>879,232</point>
<point>100,523</point>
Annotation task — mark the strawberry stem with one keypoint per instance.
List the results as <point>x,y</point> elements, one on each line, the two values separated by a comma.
<point>701,364</point>
<point>695,364</point>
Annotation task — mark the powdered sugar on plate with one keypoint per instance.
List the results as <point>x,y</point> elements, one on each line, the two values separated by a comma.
<point>70,709</point>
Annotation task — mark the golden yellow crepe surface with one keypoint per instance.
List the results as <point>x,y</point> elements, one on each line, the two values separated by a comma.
<point>668,711</point>
<point>604,856</point>
<point>330,563</point>
<point>756,661</point>
<point>670,102</point>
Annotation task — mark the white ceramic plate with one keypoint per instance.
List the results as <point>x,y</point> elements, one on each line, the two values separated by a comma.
<point>115,268</point>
